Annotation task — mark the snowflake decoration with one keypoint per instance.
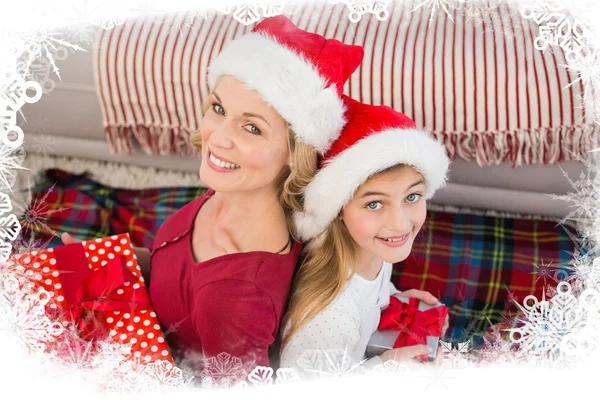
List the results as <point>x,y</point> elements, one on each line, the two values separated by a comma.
<point>173,327</point>
<point>99,14</point>
<point>328,363</point>
<point>14,93</point>
<point>37,126</point>
<point>43,43</point>
<point>585,342</point>
<point>263,376</point>
<point>76,352</point>
<point>39,72</point>
<point>133,377</point>
<point>286,375</point>
<point>85,36</point>
<point>24,314</point>
<point>435,6</point>
<point>505,27</point>
<point>590,274</point>
<point>544,272</point>
<point>33,215</point>
<point>438,378</point>
<point>5,204</point>
<point>108,23</point>
<point>223,371</point>
<point>545,323</point>
<point>358,8</point>
<point>457,355</point>
<point>28,245</point>
<point>165,373</point>
<point>247,14</point>
<point>186,21</point>
<point>558,28</point>
<point>10,160</point>
<point>44,144</point>
<point>9,227</point>
<point>476,10</point>
<point>587,68</point>
<point>390,366</point>
<point>584,200</point>
<point>145,7</point>
<point>5,249</point>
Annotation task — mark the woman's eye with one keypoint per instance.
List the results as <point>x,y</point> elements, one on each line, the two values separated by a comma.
<point>253,129</point>
<point>413,198</point>
<point>374,205</point>
<point>218,109</point>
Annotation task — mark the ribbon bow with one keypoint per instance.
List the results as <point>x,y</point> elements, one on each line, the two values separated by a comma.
<point>89,294</point>
<point>414,325</point>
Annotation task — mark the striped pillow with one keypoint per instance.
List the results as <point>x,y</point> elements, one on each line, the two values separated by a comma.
<point>481,88</point>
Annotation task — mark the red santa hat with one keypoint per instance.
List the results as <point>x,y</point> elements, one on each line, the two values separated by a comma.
<point>374,139</point>
<point>300,74</point>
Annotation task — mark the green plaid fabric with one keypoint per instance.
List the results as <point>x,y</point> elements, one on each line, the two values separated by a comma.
<point>476,265</point>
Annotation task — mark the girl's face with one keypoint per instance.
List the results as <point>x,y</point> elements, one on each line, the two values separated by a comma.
<point>386,214</point>
<point>244,140</point>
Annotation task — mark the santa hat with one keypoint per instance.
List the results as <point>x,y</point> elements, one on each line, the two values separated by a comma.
<point>300,74</point>
<point>374,139</point>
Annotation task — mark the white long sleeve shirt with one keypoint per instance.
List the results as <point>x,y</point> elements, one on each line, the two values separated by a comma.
<point>343,328</point>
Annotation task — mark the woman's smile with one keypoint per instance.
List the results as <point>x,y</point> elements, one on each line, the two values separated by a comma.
<point>220,164</point>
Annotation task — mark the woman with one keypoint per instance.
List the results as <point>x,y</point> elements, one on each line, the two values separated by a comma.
<point>221,267</point>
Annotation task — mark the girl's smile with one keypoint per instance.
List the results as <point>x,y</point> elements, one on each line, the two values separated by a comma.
<point>395,241</point>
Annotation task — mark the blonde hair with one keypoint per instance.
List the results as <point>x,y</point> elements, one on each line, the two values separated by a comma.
<point>290,184</point>
<point>329,261</point>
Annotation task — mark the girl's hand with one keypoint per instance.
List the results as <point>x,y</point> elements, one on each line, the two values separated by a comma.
<point>419,294</point>
<point>427,298</point>
<point>404,354</point>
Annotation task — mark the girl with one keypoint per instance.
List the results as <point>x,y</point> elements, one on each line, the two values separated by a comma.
<point>363,209</point>
<point>221,267</point>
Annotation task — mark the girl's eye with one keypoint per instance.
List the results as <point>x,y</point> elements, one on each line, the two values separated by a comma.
<point>374,205</point>
<point>413,198</point>
<point>253,129</point>
<point>218,109</point>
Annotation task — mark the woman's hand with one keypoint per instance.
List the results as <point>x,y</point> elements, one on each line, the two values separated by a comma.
<point>68,239</point>
<point>427,298</point>
<point>142,254</point>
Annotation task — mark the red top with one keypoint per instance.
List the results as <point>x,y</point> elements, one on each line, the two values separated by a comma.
<point>231,303</point>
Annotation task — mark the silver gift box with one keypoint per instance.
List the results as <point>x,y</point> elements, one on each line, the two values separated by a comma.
<point>384,340</point>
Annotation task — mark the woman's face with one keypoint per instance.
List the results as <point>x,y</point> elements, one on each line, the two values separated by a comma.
<point>387,213</point>
<point>244,140</point>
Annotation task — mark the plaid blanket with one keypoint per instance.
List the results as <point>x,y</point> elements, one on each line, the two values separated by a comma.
<point>477,265</point>
<point>474,264</point>
<point>87,209</point>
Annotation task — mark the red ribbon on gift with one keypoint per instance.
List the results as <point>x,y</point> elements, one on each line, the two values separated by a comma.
<point>89,294</point>
<point>414,325</point>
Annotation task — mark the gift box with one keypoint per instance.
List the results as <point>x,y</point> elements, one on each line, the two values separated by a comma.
<point>407,322</point>
<point>96,289</point>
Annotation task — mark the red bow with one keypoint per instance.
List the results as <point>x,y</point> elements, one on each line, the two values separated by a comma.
<point>89,294</point>
<point>414,325</point>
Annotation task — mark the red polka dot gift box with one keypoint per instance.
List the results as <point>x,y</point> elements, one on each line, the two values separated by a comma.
<point>96,289</point>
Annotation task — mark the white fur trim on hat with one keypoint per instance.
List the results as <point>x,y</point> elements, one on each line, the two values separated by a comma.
<point>288,82</point>
<point>335,184</point>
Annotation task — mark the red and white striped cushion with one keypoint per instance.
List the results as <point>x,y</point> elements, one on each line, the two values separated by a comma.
<point>483,89</point>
